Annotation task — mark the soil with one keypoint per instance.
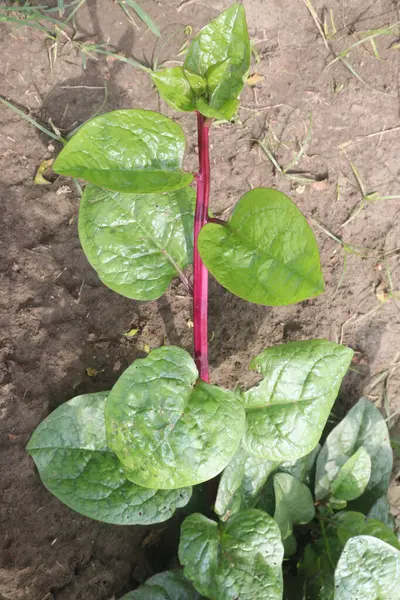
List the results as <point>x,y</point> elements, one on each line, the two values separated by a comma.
<point>56,318</point>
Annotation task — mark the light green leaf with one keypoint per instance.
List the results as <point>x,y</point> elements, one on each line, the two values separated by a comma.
<point>287,411</point>
<point>169,585</point>
<point>350,524</point>
<point>241,483</point>
<point>197,82</point>
<point>266,253</point>
<point>168,428</point>
<point>174,87</point>
<point>136,151</point>
<point>368,569</point>
<point>76,465</point>
<point>363,427</point>
<point>294,504</point>
<point>241,559</point>
<point>137,243</point>
<point>224,40</point>
<point>352,477</point>
<point>225,113</point>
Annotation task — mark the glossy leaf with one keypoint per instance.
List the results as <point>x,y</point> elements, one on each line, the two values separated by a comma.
<point>135,151</point>
<point>197,82</point>
<point>266,253</point>
<point>174,87</point>
<point>76,465</point>
<point>368,569</point>
<point>241,483</point>
<point>241,559</point>
<point>169,585</point>
<point>168,428</point>
<point>364,427</point>
<point>287,411</point>
<point>225,40</point>
<point>137,243</point>
<point>350,524</point>
<point>294,503</point>
<point>225,113</point>
<point>352,477</point>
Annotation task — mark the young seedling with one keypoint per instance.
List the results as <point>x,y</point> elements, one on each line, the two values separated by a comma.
<point>133,455</point>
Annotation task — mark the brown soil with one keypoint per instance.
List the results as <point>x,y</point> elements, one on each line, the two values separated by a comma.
<point>57,319</point>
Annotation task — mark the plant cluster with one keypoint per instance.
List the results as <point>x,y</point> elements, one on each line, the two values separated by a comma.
<point>136,453</point>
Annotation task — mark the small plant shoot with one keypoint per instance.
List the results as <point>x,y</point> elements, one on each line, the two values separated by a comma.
<point>134,454</point>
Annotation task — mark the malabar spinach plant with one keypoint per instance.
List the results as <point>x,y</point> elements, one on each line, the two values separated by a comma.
<point>133,455</point>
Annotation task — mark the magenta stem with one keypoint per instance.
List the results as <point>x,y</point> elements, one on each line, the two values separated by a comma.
<point>200,273</point>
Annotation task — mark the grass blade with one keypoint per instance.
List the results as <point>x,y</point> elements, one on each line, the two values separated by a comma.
<point>144,17</point>
<point>32,121</point>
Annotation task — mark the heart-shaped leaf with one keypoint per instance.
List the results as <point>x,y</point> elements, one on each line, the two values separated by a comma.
<point>169,585</point>
<point>168,428</point>
<point>294,504</point>
<point>287,411</point>
<point>220,53</point>
<point>266,253</point>
<point>241,483</point>
<point>352,477</point>
<point>137,243</point>
<point>364,427</point>
<point>136,151</point>
<point>349,524</point>
<point>76,465</point>
<point>241,559</point>
<point>174,87</point>
<point>369,569</point>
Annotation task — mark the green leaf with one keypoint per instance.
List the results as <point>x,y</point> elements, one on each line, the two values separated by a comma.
<point>318,566</point>
<point>368,569</point>
<point>174,87</point>
<point>294,504</point>
<point>303,467</point>
<point>241,483</point>
<point>363,427</point>
<point>169,585</point>
<point>266,253</point>
<point>225,113</point>
<point>287,411</point>
<point>144,17</point>
<point>350,524</point>
<point>136,151</point>
<point>75,464</point>
<point>137,243</point>
<point>241,559</point>
<point>224,40</point>
<point>168,428</point>
<point>381,512</point>
<point>197,82</point>
<point>352,477</point>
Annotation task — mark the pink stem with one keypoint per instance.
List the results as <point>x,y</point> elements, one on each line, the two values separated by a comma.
<point>200,273</point>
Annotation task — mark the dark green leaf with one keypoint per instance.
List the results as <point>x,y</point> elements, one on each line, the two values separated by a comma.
<point>174,87</point>
<point>241,483</point>
<point>266,253</point>
<point>136,151</point>
<point>224,41</point>
<point>294,504</point>
<point>169,585</point>
<point>137,243</point>
<point>75,464</point>
<point>368,569</point>
<point>317,567</point>
<point>287,411</point>
<point>363,427</point>
<point>303,467</point>
<point>352,477</point>
<point>166,427</point>
<point>351,523</point>
<point>381,512</point>
<point>241,559</point>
